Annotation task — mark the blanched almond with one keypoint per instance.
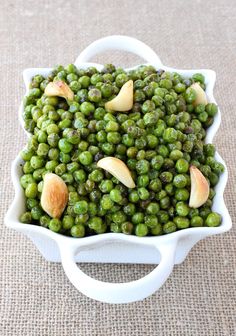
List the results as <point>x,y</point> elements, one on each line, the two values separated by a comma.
<point>199,188</point>
<point>201,95</point>
<point>117,168</point>
<point>124,100</point>
<point>54,196</point>
<point>59,88</point>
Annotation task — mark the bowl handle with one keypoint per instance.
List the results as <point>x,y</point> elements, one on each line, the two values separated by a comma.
<point>119,292</point>
<point>119,42</point>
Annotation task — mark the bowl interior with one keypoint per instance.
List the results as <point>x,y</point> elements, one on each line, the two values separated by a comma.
<point>18,204</point>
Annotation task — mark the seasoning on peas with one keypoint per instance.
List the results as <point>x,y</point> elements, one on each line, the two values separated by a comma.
<point>158,139</point>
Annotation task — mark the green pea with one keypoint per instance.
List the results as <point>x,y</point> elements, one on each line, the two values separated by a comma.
<point>77,231</point>
<point>112,126</point>
<point>85,158</point>
<point>42,136</point>
<point>81,207</point>
<point>182,166</point>
<point>196,221</point>
<point>127,227</point>
<point>182,194</point>
<point>94,95</point>
<point>129,209</point>
<point>36,212</point>
<point>67,222</point>
<point>155,185</point>
<point>108,148</point>
<point>218,168</point>
<point>141,230</point>
<point>75,86</point>
<point>31,190</point>
<point>97,225</point>
<point>165,202</point>
<point>143,193</point>
<point>190,95</point>
<point>113,137</point>
<point>198,77</point>
<point>37,162</point>
<point>116,228</point>
<point>106,90</point>
<point>64,157</point>
<point>27,168</point>
<point>89,185</point>
<point>153,208</point>
<point>213,219</point>
<point>121,79</point>
<point>181,222</point>
<point>143,181</point>
<point>119,217</point>
<point>150,118</point>
<point>180,87</point>
<point>211,109</point>
<point>26,179</point>
<point>169,227</point>
<point>209,149</point>
<point>86,108</point>
<point>84,81</point>
<point>163,151</point>
<point>137,218</point>
<point>166,177</point>
<point>26,218</point>
<point>106,186</point>
<point>42,149</point>
<point>73,197</point>
<point>65,146</point>
<point>101,136</point>
<point>127,140</point>
<point>26,154</point>
<point>121,149</point>
<point>182,209</point>
<point>116,196</point>
<point>72,75</point>
<point>151,221</point>
<point>142,166</point>
<point>44,221</point>
<point>180,181</point>
<point>31,202</point>
<point>106,202</point>
<point>213,179</point>
<point>81,219</point>
<point>170,135</point>
<point>157,230</point>
<point>92,209</point>
<point>67,178</point>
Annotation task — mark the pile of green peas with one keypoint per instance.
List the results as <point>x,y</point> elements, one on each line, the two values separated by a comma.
<point>158,140</point>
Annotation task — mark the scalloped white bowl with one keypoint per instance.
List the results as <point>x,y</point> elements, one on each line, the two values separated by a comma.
<point>165,251</point>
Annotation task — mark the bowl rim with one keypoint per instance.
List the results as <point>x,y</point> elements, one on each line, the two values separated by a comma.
<point>12,222</point>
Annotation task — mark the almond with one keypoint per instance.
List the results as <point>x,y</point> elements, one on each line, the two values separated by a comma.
<point>54,196</point>
<point>199,188</point>
<point>124,100</point>
<point>118,169</point>
<point>201,94</point>
<point>59,88</point>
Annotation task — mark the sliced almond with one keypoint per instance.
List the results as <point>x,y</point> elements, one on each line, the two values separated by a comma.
<point>124,100</point>
<point>199,188</point>
<point>59,88</point>
<point>201,94</point>
<point>118,169</point>
<point>54,196</point>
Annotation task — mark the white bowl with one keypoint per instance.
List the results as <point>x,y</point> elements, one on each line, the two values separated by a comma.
<point>164,250</point>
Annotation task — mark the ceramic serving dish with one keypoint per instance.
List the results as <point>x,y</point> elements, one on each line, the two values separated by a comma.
<point>165,251</point>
